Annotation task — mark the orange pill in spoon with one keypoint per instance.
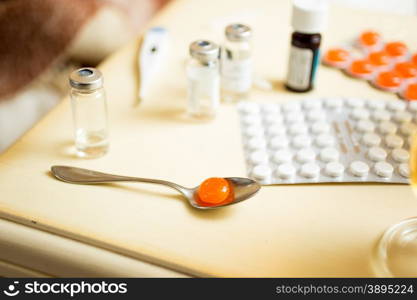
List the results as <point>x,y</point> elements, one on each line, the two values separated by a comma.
<point>389,81</point>
<point>370,40</point>
<point>379,59</point>
<point>337,57</point>
<point>215,191</point>
<point>397,50</point>
<point>361,68</point>
<point>410,93</point>
<point>407,70</point>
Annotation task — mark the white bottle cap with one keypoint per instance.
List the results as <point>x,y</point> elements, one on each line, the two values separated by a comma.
<point>309,16</point>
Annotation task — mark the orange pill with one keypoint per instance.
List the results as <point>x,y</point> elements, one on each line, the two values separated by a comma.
<point>414,59</point>
<point>406,70</point>
<point>361,68</point>
<point>337,57</point>
<point>396,49</point>
<point>370,39</point>
<point>410,92</point>
<point>215,191</point>
<point>379,59</point>
<point>390,81</point>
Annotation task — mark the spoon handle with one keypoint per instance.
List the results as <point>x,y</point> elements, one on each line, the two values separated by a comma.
<point>84,176</point>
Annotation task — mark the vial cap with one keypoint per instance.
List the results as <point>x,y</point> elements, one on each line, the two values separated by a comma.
<point>87,79</point>
<point>238,32</point>
<point>204,50</point>
<point>309,16</point>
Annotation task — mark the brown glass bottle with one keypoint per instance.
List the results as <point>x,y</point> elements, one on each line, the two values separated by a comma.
<point>303,62</point>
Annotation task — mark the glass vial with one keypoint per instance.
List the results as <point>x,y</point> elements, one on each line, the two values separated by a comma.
<point>89,110</point>
<point>236,68</point>
<point>203,79</point>
<point>308,20</point>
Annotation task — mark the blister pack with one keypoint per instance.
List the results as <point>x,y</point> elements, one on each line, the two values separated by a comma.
<point>328,140</point>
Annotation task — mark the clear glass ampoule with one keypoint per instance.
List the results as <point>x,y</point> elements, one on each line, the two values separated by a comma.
<point>203,79</point>
<point>89,110</point>
<point>236,66</point>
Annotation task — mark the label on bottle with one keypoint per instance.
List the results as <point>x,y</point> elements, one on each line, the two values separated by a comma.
<point>237,75</point>
<point>300,68</point>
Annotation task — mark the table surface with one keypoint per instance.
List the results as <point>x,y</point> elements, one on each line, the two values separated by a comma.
<point>308,230</point>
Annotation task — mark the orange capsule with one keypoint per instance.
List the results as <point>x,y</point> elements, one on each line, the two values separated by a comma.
<point>214,191</point>
<point>410,93</point>
<point>370,39</point>
<point>337,57</point>
<point>361,68</point>
<point>407,70</point>
<point>379,59</point>
<point>397,50</point>
<point>389,81</point>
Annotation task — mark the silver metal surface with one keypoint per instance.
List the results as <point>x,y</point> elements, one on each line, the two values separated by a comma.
<point>204,50</point>
<point>87,79</point>
<point>243,188</point>
<point>238,32</point>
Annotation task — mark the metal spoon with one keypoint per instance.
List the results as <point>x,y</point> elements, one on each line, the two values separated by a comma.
<point>243,188</point>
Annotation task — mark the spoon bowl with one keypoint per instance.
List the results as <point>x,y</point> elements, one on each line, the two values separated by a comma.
<point>243,188</point>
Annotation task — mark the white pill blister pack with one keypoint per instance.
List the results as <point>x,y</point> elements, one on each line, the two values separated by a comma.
<point>328,140</point>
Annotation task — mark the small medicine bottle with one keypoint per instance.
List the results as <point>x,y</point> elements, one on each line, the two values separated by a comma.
<point>309,18</point>
<point>236,63</point>
<point>203,73</point>
<point>89,110</point>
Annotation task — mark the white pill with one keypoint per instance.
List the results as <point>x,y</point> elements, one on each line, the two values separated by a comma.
<point>383,169</point>
<point>310,170</point>
<point>285,171</point>
<point>295,116</point>
<point>355,102</point>
<point>282,156</point>
<point>329,154</point>
<point>400,155</point>
<point>381,115</point>
<point>252,119</point>
<point>248,107</point>
<point>396,105</point>
<point>256,143</point>
<point>270,108</point>
<point>274,119</point>
<point>309,104</point>
<point>377,154</point>
<point>408,129</point>
<point>254,130</point>
<point>376,104</point>
<point>365,126</point>
<point>334,169</point>
<point>412,106</point>
<point>387,127</point>
<point>320,127</point>
<point>261,172</point>
<point>298,128</point>
<point>278,142</point>
<point>275,129</point>
<point>371,139</point>
<point>359,113</point>
<point>305,155</point>
<point>334,103</point>
<point>359,168</point>
<point>301,141</point>
<point>316,115</point>
<point>259,156</point>
<point>325,140</point>
<point>403,116</point>
<point>404,170</point>
<point>394,141</point>
<point>291,107</point>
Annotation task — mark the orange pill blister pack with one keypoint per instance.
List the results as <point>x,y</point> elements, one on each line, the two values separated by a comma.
<point>388,66</point>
